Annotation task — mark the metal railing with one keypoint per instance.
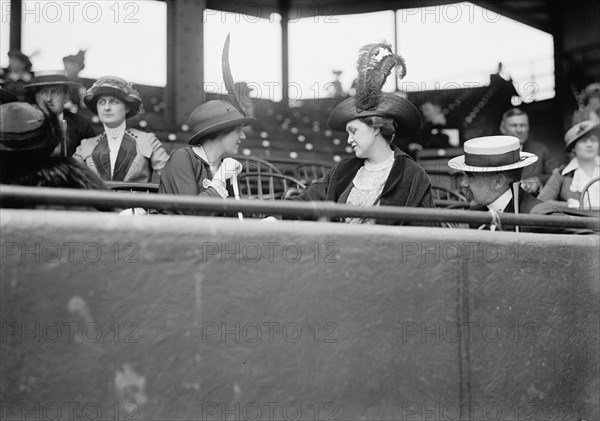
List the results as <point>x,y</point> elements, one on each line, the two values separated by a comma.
<point>11,196</point>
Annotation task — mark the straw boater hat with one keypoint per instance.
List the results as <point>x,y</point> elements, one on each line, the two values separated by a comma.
<point>50,78</point>
<point>370,101</point>
<point>492,154</point>
<point>117,87</point>
<point>216,115</point>
<point>577,132</point>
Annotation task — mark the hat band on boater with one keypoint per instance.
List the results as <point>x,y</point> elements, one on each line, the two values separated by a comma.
<point>498,160</point>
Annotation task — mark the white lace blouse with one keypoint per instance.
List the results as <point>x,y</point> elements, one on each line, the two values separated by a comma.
<point>367,185</point>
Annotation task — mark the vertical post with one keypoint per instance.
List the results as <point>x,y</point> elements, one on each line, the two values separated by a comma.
<point>185,59</point>
<point>170,96</point>
<point>285,75</point>
<point>15,24</point>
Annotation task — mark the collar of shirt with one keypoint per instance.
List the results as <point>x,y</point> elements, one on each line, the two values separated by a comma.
<point>574,165</point>
<point>500,203</point>
<point>381,166</point>
<point>201,153</point>
<point>115,133</point>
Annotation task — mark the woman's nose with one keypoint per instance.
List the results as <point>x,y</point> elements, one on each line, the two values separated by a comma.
<point>242,135</point>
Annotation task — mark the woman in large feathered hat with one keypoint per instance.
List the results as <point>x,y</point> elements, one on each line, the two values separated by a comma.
<point>379,174</point>
<point>201,169</point>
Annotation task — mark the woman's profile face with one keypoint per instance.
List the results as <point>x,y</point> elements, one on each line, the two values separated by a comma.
<point>587,147</point>
<point>231,141</point>
<point>361,137</point>
<point>111,110</point>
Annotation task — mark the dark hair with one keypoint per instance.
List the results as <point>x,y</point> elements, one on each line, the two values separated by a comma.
<point>222,132</point>
<point>387,126</point>
<point>513,112</point>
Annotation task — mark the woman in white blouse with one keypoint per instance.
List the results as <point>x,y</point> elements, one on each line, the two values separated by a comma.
<point>379,174</point>
<point>567,182</point>
<point>119,153</point>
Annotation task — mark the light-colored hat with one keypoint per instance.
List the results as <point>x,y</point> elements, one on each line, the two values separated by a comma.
<point>492,154</point>
<point>117,87</point>
<point>50,78</point>
<point>578,131</point>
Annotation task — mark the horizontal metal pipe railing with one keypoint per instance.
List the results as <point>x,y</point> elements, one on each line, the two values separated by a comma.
<point>20,196</point>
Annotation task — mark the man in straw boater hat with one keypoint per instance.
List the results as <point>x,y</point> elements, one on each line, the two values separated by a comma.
<point>51,90</point>
<point>492,168</point>
<point>202,168</point>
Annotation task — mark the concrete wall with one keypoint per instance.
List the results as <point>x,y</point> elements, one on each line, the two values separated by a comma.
<point>155,318</point>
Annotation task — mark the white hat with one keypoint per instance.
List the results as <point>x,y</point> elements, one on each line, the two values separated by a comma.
<point>491,154</point>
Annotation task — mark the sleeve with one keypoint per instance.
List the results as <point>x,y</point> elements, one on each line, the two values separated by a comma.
<point>87,130</point>
<point>317,190</point>
<point>551,162</point>
<point>551,189</point>
<point>78,154</point>
<point>159,155</point>
<point>179,177</point>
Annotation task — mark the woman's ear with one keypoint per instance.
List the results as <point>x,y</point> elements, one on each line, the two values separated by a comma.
<point>376,130</point>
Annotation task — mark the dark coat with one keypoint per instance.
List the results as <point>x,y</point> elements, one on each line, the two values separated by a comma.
<point>78,128</point>
<point>186,173</point>
<point>527,205</point>
<point>407,185</point>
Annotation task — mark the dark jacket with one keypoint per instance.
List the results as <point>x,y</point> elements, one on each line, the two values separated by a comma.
<point>545,164</point>
<point>407,185</point>
<point>78,128</point>
<point>186,173</point>
<point>527,205</point>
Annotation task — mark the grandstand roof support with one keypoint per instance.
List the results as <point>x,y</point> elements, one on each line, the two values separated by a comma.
<point>185,59</point>
<point>15,24</point>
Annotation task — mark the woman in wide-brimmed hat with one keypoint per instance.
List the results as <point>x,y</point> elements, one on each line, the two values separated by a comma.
<point>379,174</point>
<point>200,169</point>
<point>120,153</point>
<point>567,182</point>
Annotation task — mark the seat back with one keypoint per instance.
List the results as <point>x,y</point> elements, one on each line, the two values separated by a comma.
<point>585,194</point>
<point>255,185</point>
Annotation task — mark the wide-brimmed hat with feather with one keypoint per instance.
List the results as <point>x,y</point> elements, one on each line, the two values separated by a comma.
<point>369,100</point>
<point>212,116</point>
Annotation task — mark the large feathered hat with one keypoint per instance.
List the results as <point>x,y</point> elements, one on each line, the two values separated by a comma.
<point>216,115</point>
<point>369,100</point>
<point>117,87</point>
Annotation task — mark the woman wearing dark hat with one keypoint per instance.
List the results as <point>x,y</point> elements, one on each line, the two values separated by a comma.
<point>567,182</point>
<point>52,91</point>
<point>120,153</point>
<point>27,138</point>
<point>379,174</point>
<point>200,169</point>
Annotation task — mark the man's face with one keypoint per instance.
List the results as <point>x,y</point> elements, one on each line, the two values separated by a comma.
<point>54,97</point>
<point>479,187</point>
<point>517,125</point>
